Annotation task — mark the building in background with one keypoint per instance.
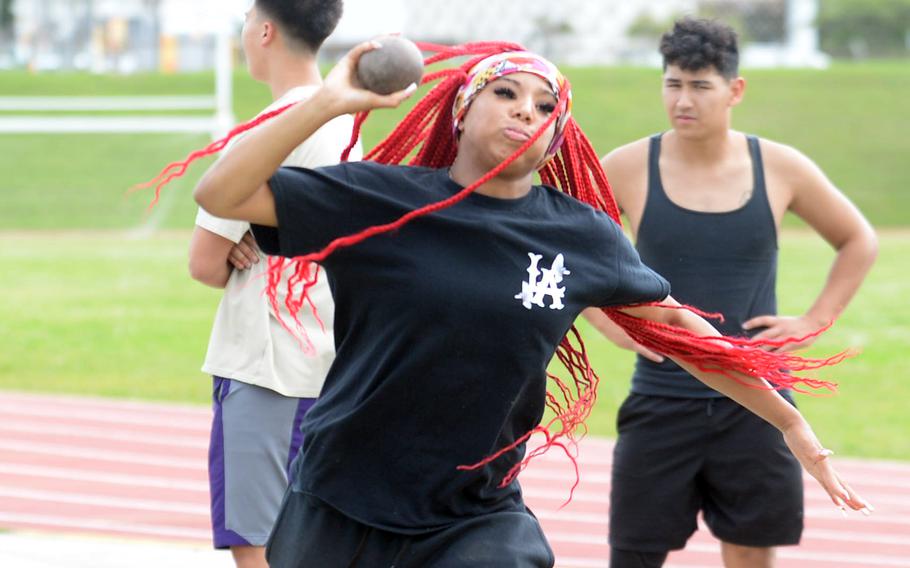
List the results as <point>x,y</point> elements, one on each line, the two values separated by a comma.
<point>179,35</point>
<point>121,36</point>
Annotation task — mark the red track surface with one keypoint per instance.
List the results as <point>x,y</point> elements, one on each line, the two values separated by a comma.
<point>139,470</point>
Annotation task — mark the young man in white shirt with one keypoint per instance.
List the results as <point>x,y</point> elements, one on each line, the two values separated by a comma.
<point>265,378</point>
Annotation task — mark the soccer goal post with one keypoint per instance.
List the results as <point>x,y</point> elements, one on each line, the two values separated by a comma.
<point>211,113</point>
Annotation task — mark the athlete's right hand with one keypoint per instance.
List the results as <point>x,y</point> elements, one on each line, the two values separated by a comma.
<point>346,95</point>
<point>814,459</point>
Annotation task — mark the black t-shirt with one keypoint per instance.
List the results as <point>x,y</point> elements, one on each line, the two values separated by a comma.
<point>443,332</point>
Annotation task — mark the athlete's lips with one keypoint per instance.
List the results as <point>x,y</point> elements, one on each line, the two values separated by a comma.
<point>685,118</point>
<point>515,133</point>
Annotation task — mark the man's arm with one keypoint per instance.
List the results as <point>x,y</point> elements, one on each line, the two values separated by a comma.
<point>815,199</point>
<point>627,169</point>
<point>766,403</point>
<point>213,257</point>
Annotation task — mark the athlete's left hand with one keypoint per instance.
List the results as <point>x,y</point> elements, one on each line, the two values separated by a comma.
<point>815,459</point>
<point>785,327</point>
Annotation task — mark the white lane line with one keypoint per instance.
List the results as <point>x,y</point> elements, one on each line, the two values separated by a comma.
<point>855,536</point>
<point>543,493</point>
<point>600,476</point>
<point>544,514</point>
<point>44,400</point>
<point>102,501</point>
<point>24,427</point>
<point>134,418</point>
<point>877,465</point>
<point>536,490</point>
<point>96,455</point>
<point>878,517</point>
<point>584,518</point>
<point>844,537</point>
<point>577,538</point>
<point>107,526</point>
<point>836,558</point>
<point>100,477</point>
<point>564,476</point>
<point>573,562</point>
<point>862,479</point>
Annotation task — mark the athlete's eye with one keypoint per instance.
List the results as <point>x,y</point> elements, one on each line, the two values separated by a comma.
<point>546,108</point>
<point>504,92</point>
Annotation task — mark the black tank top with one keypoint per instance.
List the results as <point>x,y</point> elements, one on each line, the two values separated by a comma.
<point>718,262</point>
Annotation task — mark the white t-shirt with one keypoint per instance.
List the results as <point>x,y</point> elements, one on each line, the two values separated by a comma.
<point>248,342</point>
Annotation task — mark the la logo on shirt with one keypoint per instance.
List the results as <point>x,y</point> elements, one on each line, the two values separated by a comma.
<point>544,282</point>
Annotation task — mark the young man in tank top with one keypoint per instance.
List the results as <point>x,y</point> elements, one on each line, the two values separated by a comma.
<point>704,204</point>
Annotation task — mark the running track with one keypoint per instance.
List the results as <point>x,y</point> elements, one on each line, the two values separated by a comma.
<point>138,470</point>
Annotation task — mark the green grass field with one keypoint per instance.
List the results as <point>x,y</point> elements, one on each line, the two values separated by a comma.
<point>98,313</point>
<point>96,298</point>
<point>850,119</point>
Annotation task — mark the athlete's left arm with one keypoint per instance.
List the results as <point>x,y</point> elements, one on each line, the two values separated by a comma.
<point>817,201</point>
<point>766,403</point>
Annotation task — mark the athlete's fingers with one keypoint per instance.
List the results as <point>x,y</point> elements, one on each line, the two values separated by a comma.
<point>238,260</point>
<point>394,99</point>
<point>760,321</point>
<point>250,240</point>
<point>246,249</point>
<point>243,255</point>
<point>770,333</point>
<point>854,500</point>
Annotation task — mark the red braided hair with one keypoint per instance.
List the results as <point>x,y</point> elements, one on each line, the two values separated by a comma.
<point>427,132</point>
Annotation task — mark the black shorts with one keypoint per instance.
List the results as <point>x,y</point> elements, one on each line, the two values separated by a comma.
<point>310,533</point>
<point>675,457</point>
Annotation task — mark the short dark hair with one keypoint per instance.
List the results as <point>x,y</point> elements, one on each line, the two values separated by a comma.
<point>306,22</point>
<point>695,44</point>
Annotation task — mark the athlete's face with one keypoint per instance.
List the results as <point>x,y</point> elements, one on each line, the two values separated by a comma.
<point>698,103</point>
<point>503,116</point>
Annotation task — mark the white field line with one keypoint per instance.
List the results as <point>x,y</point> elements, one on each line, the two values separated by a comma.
<point>115,417</point>
<point>95,455</point>
<point>84,475</point>
<point>106,526</point>
<point>101,501</point>
<point>116,103</point>
<point>23,427</point>
<point>102,124</point>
